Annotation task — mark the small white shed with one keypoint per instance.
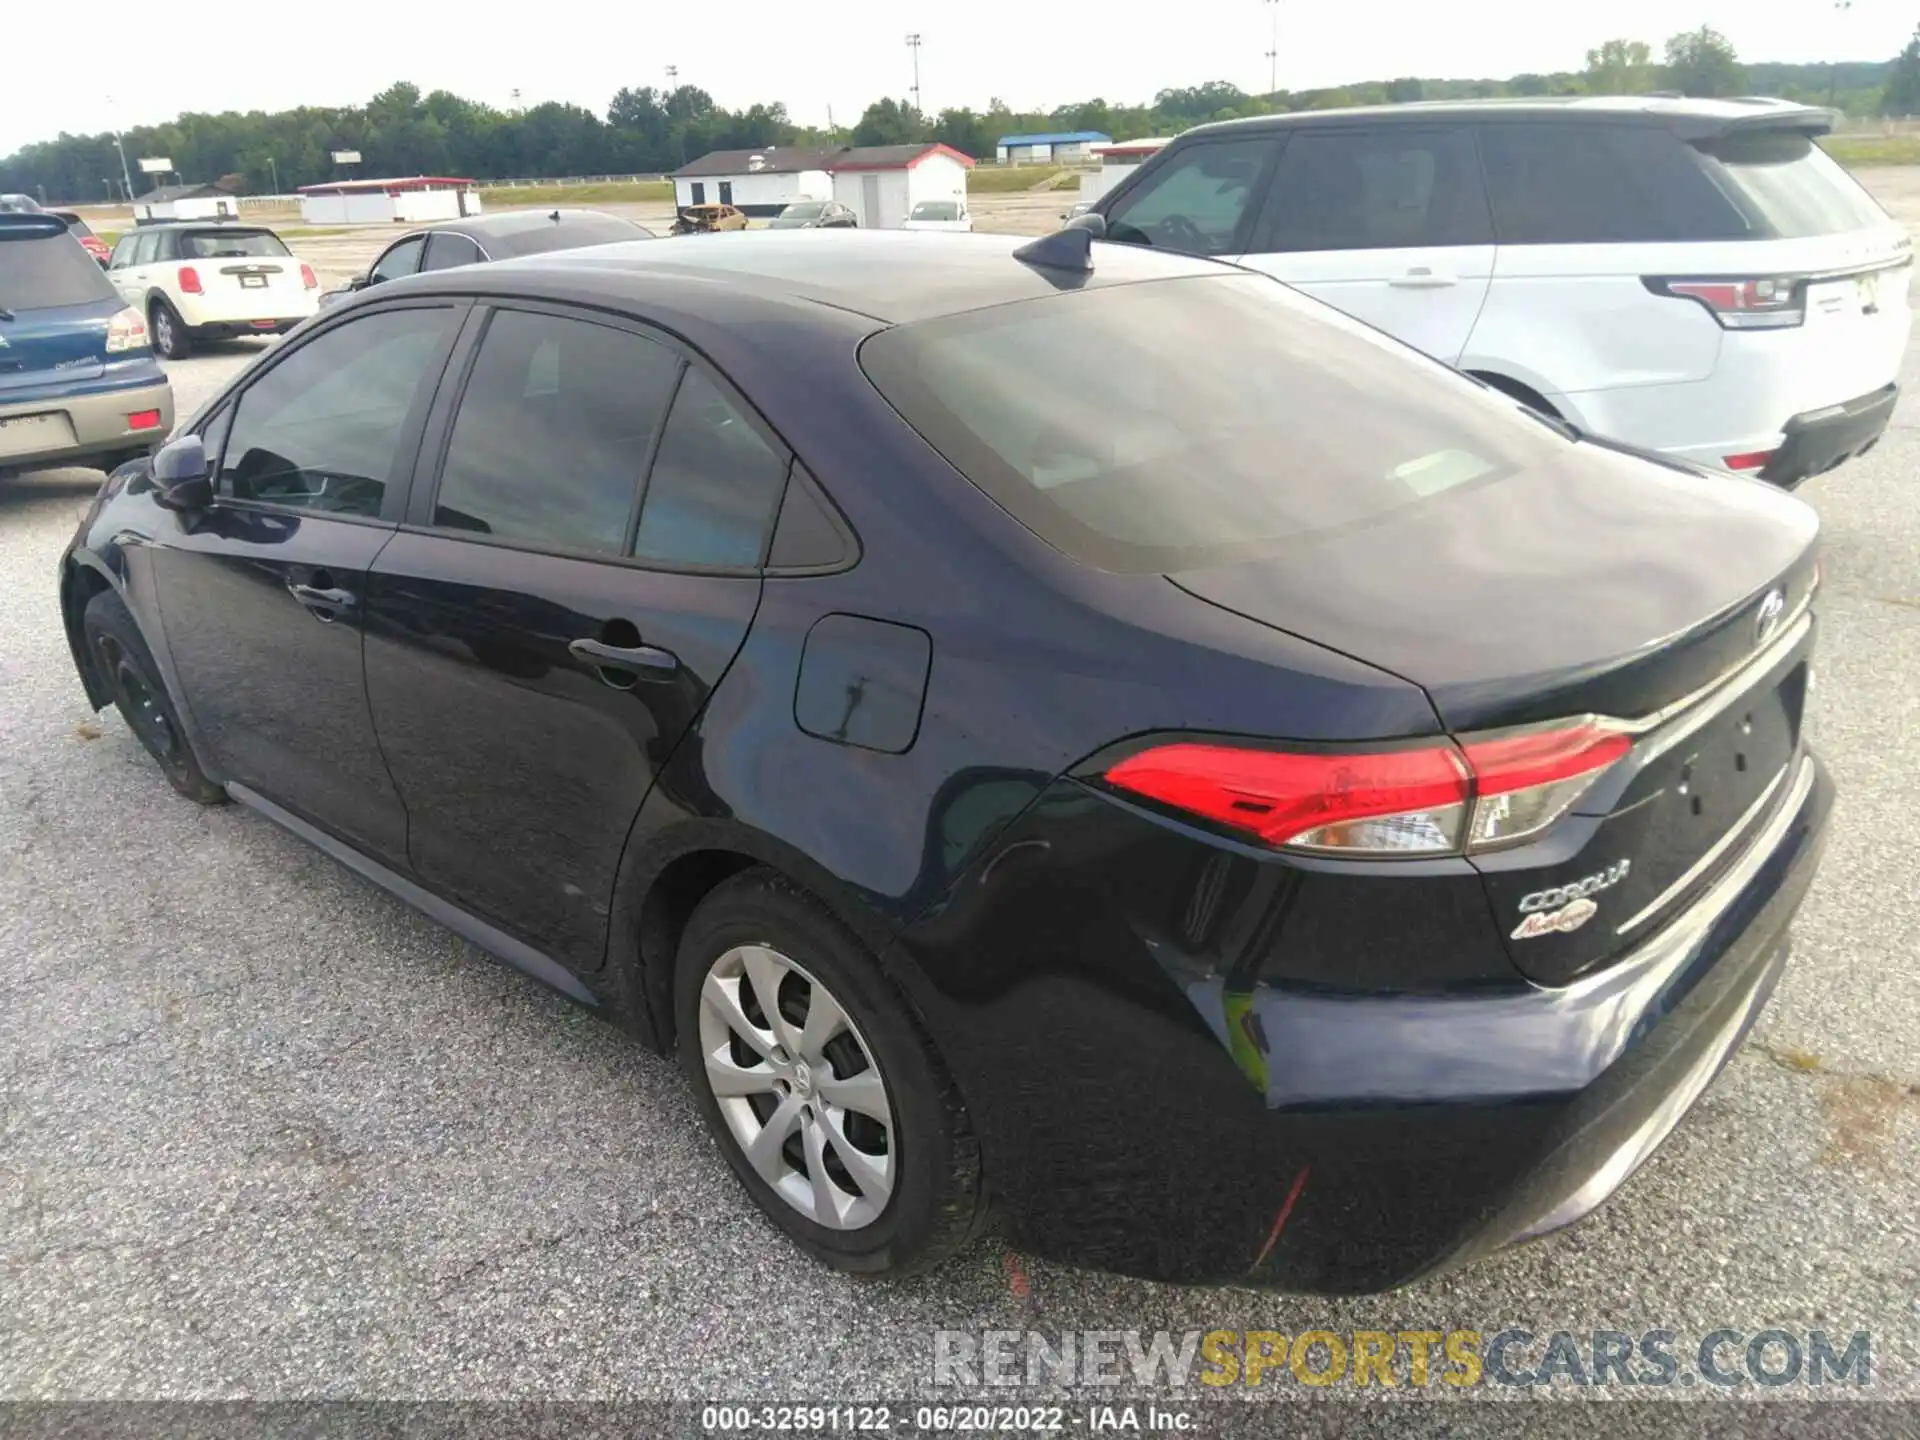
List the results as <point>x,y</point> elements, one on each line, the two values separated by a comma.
<point>1117,162</point>
<point>882,183</point>
<point>413,200</point>
<point>760,182</point>
<point>184,202</point>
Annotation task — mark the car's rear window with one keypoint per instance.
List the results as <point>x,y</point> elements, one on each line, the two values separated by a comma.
<point>1788,184</point>
<point>1160,426</point>
<point>936,210</point>
<point>45,272</point>
<point>803,210</point>
<point>220,244</point>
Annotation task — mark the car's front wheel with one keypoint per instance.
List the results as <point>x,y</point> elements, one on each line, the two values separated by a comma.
<point>127,665</point>
<point>169,332</point>
<point>823,1091</point>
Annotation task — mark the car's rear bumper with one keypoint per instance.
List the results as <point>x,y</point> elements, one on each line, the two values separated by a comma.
<point>1149,1107</point>
<point>93,421</point>
<point>1818,440</point>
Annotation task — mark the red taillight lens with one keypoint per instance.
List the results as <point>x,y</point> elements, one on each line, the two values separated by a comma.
<point>144,420</point>
<point>1431,799</point>
<point>1771,302</point>
<point>308,279</point>
<point>190,281</point>
<point>1753,460</point>
<point>1525,782</point>
<point>1388,801</point>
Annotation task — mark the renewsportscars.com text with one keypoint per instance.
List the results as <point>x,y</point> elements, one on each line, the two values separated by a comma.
<point>1461,1359</point>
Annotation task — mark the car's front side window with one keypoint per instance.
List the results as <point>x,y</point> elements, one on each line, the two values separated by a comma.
<point>1196,200</point>
<point>553,433</point>
<point>321,430</point>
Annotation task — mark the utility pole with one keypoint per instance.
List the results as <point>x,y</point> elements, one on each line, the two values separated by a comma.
<point>274,170</point>
<point>1840,7</point>
<point>913,44</point>
<point>1273,49</point>
<point>673,84</point>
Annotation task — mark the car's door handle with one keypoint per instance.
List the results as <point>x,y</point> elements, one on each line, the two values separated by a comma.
<point>1421,278</point>
<point>625,657</point>
<point>324,601</point>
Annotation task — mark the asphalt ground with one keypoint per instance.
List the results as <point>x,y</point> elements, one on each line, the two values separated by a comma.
<point>267,1133</point>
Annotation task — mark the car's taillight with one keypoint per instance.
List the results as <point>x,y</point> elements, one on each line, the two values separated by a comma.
<point>1751,460</point>
<point>1434,798</point>
<point>308,279</point>
<point>1771,302</point>
<point>144,420</point>
<point>127,331</point>
<point>1524,782</point>
<point>190,281</point>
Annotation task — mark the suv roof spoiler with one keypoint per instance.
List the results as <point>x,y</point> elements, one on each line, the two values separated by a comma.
<point>1777,115</point>
<point>28,225</point>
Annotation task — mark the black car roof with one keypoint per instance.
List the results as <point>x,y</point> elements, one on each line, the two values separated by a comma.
<point>891,276</point>
<point>530,232</point>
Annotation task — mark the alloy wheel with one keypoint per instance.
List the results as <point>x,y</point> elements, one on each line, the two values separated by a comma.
<point>798,1087</point>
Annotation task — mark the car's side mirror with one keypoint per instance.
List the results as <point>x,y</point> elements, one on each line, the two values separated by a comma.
<point>180,477</point>
<point>361,281</point>
<point>1093,222</point>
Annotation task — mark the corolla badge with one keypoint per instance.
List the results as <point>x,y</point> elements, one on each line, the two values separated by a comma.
<point>1767,619</point>
<point>1565,908</point>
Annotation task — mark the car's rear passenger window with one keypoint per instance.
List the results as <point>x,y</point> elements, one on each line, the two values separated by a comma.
<point>1389,187</point>
<point>1563,184</point>
<point>553,433</point>
<point>714,487</point>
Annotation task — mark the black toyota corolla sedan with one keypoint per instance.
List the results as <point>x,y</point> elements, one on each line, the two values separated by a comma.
<point>1070,728</point>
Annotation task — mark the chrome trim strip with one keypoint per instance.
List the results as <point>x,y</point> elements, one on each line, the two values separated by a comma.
<point>1706,861</point>
<point>1793,631</point>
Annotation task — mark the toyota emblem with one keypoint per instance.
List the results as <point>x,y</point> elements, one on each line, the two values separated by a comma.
<point>1768,619</point>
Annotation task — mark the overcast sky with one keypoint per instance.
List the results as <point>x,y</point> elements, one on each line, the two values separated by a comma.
<point>840,55</point>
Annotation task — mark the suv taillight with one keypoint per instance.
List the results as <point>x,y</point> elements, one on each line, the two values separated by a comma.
<point>127,331</point>
<point>308,280</point>
<point>1435,798</point>
<point>190,281</point>
<point>1771,302</point>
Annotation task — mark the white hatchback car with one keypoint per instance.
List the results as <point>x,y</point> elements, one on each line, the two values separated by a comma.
<point>1695,277</point>
<point>949,215</point>
<point>211,281</point>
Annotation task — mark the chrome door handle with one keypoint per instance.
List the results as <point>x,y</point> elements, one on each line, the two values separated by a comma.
<point>625,657</point>
<point>324,603</point>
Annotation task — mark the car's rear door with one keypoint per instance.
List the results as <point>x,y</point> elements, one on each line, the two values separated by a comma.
<point>559,606</point>
<point>1387,222</point>
<point>261,596</point>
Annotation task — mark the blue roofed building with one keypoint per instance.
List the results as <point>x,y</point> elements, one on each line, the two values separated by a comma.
<point>1066,148</point>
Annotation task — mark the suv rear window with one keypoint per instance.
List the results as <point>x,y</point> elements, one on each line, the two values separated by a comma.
<point>43,272</point>
<point>1176,423</point>
<point>1788,185</point>
<point>219,244</point>
<point>1564,184</point>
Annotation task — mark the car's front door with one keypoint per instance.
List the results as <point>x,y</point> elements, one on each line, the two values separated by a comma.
<point>558,608</point>
<point>1387,222</point>
<point>260,597</point>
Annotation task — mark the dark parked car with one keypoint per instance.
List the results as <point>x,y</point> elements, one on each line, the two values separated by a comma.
<point>1260,805</point>
<point>482,238</point>
<point>815,215</point>
<point>78,380</point>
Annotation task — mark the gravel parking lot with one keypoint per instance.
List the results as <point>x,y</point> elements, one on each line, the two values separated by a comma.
<point>266,1132</point>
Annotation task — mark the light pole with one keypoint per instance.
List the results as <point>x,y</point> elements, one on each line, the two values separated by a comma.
<point>274,170</point>
<point>913,44</point>
<point>1273,49</point>
<point>673,76</point>
<point>1840,7</point>
<point>125,178</point>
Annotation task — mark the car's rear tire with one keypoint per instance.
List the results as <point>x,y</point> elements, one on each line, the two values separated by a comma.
<point>118,648</point>
<point>170,338</point>
<point>867,1159</point>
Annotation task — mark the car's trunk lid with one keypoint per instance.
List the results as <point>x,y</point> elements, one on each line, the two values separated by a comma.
<point>1601,584</point>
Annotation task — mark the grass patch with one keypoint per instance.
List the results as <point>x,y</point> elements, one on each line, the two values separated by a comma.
<point>1862,151</point>
<point>510,197</point>
<point>1009,179</point>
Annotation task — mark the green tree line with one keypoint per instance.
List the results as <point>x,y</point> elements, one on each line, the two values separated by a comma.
<point>650,131</point>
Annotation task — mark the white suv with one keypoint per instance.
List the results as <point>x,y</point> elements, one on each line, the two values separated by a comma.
<point>1691,276</point>
<point>211,282</point>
